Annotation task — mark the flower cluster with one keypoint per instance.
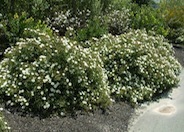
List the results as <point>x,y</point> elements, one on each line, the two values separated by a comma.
<point>118,21</point>
<point>49,74</point>
<point>138,65</point>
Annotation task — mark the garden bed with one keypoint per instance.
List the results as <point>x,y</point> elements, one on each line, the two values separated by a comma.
<point>114,119</point>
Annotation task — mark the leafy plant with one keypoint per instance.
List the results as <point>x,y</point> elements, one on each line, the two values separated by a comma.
<point>15,25</point>
<point>49,75</point>
<point>93,29</point>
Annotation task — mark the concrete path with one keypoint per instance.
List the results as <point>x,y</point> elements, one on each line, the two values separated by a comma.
<point>166,115</point>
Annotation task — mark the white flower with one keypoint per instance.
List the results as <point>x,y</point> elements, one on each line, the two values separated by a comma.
<point>42,57</point>
<point>46,106</point>
<point>1,25</point>
<point>42,93</point>
<point>39,87</point>
<point>69,84</point>
<point>44,98</point>
<point>47,79</point>
<point>56,85</point>
<point>32,93</point>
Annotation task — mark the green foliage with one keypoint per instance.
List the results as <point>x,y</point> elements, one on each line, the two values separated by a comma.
<point>138,65</point>
<point>49,75</point>
<point>148,18</point>
<point>15,25</point>
<point>94,28</point>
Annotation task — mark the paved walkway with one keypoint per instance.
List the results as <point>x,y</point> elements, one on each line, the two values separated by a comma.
<point>166,115</point>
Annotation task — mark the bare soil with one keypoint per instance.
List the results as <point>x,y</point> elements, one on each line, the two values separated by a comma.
<point>115,119</point>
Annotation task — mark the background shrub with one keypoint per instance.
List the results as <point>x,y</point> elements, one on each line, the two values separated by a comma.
<point>14,26</point>
<point>149,18</point>
<point>173,14</point>
<point>48,75</point>
<point>139,65</point>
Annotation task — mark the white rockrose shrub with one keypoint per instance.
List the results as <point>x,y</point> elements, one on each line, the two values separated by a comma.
<point>118,21</point>
<point>139,65</point>
<point>47,75</point>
